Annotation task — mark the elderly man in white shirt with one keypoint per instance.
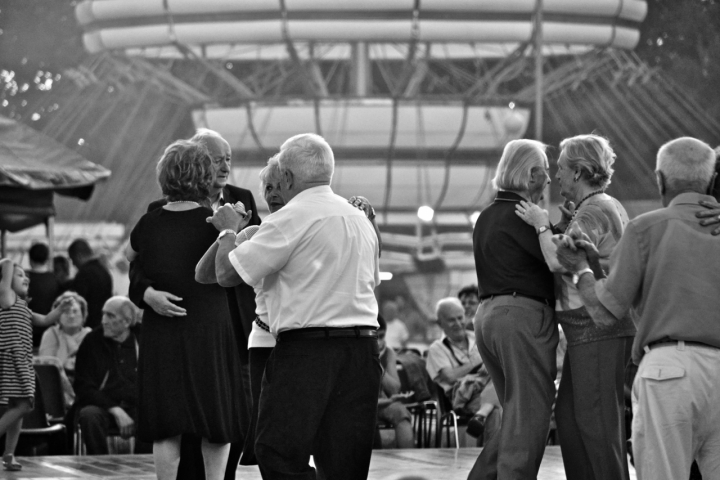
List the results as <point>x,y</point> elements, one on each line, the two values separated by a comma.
<point>317,261</point>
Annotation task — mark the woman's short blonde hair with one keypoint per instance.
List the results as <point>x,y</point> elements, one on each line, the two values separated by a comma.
<point>592,155</point>
<point>271,173</point>
<point>185,171</point>
<point>519,157</point>
<point>75,296</point>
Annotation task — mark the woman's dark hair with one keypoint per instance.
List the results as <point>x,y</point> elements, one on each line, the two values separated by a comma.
<point>185,172</point>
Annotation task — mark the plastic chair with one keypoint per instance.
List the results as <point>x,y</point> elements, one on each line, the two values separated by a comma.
<point>447,419</point>
<point>424,413</point>
<point>50,383</point>
<point>116,444</point>
<point>37,436</point>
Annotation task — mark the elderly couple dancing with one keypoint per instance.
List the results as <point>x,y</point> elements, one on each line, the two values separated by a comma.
<point>313,264</point>
<point>663,266</point>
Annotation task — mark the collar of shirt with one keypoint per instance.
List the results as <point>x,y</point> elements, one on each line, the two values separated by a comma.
<point>219,202</point>
<point>505,196</point>
<point>308,192</point>
<point>690,198</point>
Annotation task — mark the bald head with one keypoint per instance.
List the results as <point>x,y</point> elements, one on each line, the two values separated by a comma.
<point>119,314</point>
<point>451,317</point>
<point>684,164</point>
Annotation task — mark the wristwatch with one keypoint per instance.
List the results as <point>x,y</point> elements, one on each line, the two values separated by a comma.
<point>227,231</point>
<point>576,276</point>
<point>543,229</point>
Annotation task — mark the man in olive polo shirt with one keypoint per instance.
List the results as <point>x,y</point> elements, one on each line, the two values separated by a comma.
<point>666,268</point>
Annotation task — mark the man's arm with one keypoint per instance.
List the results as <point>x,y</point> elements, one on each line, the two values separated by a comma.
<point>391,380</point>
<point>89,376</point>
<point>225,272</point>
<point>453,374</point>
<point>227,218</point>
<point>125,423</point>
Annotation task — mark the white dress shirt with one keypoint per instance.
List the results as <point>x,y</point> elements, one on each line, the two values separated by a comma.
<point>316,260</point>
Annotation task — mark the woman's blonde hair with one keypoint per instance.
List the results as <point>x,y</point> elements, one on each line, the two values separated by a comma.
<point>271,172</point>
<point>592,155</point>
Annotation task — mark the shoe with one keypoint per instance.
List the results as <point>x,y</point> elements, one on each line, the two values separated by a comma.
<point>476,426</point>
<point>10,464</point>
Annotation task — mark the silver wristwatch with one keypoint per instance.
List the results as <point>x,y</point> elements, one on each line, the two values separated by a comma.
<point>227,231</point>
<point>576,276</point>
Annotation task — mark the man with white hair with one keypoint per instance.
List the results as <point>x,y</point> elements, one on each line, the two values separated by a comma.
<point>317,261</point>
<point>454,364</point>
<point>666,268</point>
<point>515,323</point>
<point>105,377</point>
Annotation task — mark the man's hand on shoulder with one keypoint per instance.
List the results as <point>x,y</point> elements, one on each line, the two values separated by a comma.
<point>124,422</point>
<point>711,216</point>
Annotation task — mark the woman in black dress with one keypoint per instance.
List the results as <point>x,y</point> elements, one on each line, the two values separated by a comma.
<point>188,372</point>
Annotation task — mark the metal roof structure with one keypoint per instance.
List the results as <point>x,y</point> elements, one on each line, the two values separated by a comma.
<point>417,97</point>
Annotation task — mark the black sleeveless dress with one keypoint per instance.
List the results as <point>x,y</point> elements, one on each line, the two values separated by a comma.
<point>188,372</point>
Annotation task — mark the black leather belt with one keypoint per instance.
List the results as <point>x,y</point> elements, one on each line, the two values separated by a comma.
<point>669,341</point>
<point>515,294</point>
<point>320,333</point>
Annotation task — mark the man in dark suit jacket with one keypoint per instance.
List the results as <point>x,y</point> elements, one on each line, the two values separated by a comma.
<point>241,299</point>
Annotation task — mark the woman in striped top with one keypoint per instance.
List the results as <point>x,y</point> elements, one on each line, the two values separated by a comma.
<point>17,377</point>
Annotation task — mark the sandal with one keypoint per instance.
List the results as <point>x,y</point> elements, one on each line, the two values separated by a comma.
<point>10,464</point>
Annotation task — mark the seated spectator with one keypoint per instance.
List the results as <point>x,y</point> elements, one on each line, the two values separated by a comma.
<point>63,340</point>
<point>92,281</point>
<point>470,300</point>
<point>44,287</point>
<point>390,406</point>
<point>397,332</point>
<point>105,377</point>
<point>454,364</point>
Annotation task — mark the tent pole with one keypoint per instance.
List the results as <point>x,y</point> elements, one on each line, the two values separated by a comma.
<point>545,203</point>
<point>50,231</point>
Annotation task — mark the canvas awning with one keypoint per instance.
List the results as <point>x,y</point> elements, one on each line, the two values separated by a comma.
<point>32,168</point>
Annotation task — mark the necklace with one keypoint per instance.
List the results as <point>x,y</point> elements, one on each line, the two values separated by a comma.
<point>596,192</point>
<point>182,201</point>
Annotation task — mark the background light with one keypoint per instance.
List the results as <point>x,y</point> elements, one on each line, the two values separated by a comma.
<point>473,217</point>
<point>385,276</point>
<point>425,213</point>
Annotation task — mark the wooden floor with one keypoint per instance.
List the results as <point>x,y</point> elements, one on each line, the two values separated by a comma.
<point>432,464</point>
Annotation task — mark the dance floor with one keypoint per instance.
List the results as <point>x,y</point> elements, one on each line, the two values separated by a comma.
<point>433,464</point>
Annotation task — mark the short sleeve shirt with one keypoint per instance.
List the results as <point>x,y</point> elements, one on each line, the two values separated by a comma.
<point>439,357</point>
<point>317,259</point>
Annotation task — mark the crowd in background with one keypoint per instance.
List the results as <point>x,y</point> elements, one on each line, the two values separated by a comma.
<point>493,353</point>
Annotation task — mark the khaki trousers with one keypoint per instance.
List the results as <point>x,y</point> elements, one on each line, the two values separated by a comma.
<point>676,405</point>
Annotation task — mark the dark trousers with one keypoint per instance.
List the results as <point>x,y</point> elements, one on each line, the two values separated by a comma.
<point>517,338</point>
<point>319,397</point>
<point>258,359</point>
<point>96,423</point>
<point>590,410</point>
